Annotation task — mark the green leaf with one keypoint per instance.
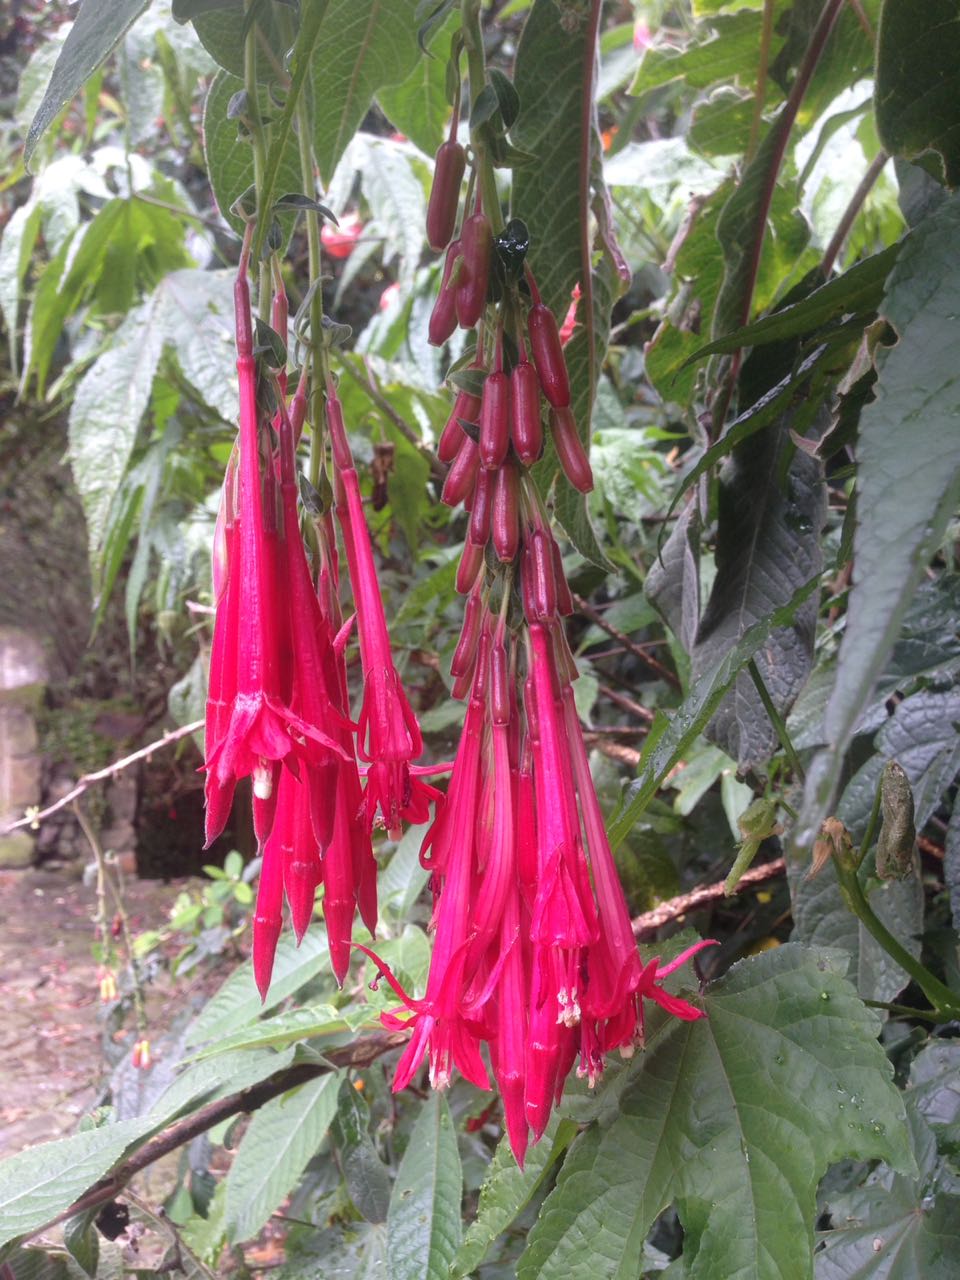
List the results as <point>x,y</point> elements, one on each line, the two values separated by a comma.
<point>934,1091</point>
<point>214,1078</point>
<point>906,491</point>
<point>672,584</point>
<point>39,1183</point>
<point>895,1227</point>
<point>418,107</point>
<point>282,1138</point>
<point>423,1224</point>
<point>96,32</point>
<point>768,546</point>
<point>508,1189</point>
<point>859,290</point>
<point>220,31</point>
<point>229,157</point>
<point>733,1118</point>
<point>105,415</point>
<point>237,1004</point>
<point>822,918</point>
<point>668,741</point>
<point>290,1026</point>
<point>361,46</point>
<point>918,81</point>
<point>366,1176</point>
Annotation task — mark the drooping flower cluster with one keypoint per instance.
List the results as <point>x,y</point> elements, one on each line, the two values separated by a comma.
<point>278,706</point>
<point>534,953</point>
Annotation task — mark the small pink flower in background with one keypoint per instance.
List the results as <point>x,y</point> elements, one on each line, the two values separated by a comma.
<point>390,295</point>
<point>570,319</point>
<point>642,36</point>
<point>339,241</point>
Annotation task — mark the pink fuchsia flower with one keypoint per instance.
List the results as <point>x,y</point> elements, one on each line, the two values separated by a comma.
<point>340,241</point>
<point>251,724</point>
<point>388,735</point>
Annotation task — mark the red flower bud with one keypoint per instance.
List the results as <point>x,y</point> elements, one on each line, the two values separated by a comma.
<point>544,587</point>
<point>499,684</point>
<point>462,474</point>
<point>548,355</point>
<point>482,502</point>
<point>570,450</point>
<point>470,566</point>
<point>443,317</point>
<point>505,518</point>
<point>466,408</point>
<point>525,402</point>
<point>476,241</point>
<point>448,170</point>
<point>564,598</point>
<point>495,420</point>
<point>462,662</point>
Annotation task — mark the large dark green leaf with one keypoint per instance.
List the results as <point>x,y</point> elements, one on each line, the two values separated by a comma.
<point>366,1176</point>
<point>669,739</point>
<point>96,32</point>
<point>768,546</point>
<point>423,1224</point>
<point>858,291</point>
<point>361,46</point>
<point>733,1119</point>
<point>895,1227</point>
<point>908,481</point>
<point>918,80</point>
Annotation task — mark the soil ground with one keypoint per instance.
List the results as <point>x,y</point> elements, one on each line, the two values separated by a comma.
<point>52,1065</point>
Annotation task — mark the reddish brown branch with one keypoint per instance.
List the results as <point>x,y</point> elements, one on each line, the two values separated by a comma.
<point>359,1054</point>
<point>637,650</point>
<point>647,924</point>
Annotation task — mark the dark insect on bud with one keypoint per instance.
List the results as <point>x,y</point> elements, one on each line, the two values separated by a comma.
<point>448,170</point>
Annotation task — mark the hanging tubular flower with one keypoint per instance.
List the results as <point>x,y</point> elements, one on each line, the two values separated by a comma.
<point>388,735</point>
<point>252,728</point>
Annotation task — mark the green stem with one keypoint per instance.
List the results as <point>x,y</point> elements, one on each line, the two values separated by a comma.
<point>776,719</point>
<point>319,354</point>
<point>872,823</point>
<point>902,1010</point>
<point>259,160</point>
<point>766,37</point>
<point>473,44</point>
<point>946,1005</point>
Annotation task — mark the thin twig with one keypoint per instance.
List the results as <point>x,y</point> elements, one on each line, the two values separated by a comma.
<point>360,1054</point>
<point>88,779</point>
<point>776,719</point>
<point>626,704</point>
<point>649,922</point>
<point>369,385</point>
<point>631,646</point>
<point>852,210</point>
<point>862,18</point>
